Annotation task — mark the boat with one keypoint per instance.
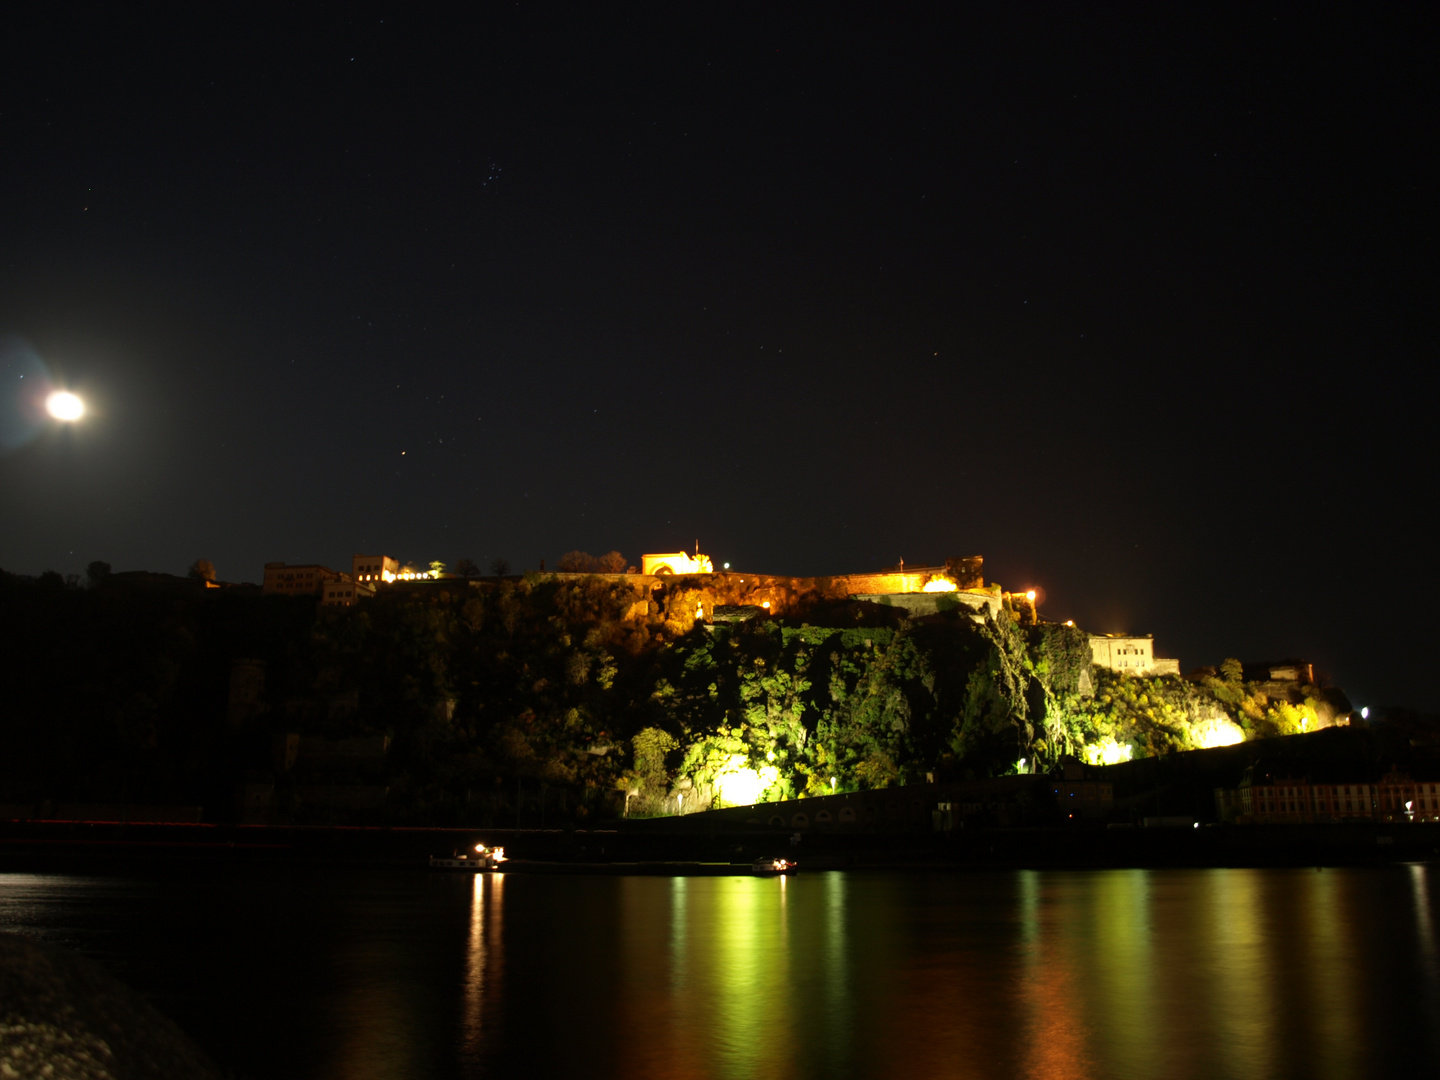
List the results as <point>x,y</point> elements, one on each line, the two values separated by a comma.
<point>483,858</point>
<point>773,867</point>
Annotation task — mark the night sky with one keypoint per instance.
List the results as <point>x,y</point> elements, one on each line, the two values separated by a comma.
<point>1136,302</point>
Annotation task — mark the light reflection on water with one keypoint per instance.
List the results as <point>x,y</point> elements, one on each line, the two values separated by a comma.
<point>484,956</point>
<point>1098,974</point>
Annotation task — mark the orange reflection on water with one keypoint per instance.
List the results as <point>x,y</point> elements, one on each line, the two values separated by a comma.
<point>483,958</point>
<point>1089,974</point>
<point>1049,989</point>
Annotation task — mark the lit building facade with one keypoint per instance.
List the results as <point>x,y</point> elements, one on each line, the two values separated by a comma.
<point>307,580</point>
<point>342,592</point>
<point>372,569</point>
<point>1130,655</point>
<point>1286,801</point>
<point>675,562</point>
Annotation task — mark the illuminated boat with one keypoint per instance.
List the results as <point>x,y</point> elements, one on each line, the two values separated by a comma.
<point>484,858</point>
<point>768,867</point>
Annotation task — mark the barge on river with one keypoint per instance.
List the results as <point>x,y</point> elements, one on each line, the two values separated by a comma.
<point>768,867</point>
<point>483,858</point>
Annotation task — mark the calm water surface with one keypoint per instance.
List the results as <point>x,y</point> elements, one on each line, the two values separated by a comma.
<point>1200,973</point>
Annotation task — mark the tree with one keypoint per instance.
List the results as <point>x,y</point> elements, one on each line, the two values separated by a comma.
<point>466,568</point>
<point>97,572</point>
<point>500,566</point>
<point>202,570</point>
<point>436,568</point>
<point>613,563</point>
<point>650,778</point>
<point>574,562</point>
<point>582,562</point>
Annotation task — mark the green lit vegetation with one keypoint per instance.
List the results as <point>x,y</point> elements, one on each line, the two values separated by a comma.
<point>581,693</point>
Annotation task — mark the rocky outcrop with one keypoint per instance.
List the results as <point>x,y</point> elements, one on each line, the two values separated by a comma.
<point>65,1017</point>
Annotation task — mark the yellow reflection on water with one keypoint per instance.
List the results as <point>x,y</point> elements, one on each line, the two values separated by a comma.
<point>483,954</point>
<point>747,973</point>
<point>377,1018</point>
<point>1175,973</point>
<point>1424,921</point>
<point>1119,910</point>
<point>706,976</point>
<point>1322,916</point>
<point>834,968</point>
<point>1238,994</point>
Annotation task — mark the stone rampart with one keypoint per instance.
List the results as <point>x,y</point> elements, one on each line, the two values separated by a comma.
<point>678,600</point>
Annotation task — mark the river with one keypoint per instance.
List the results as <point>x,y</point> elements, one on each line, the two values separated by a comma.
<point>357,974</point>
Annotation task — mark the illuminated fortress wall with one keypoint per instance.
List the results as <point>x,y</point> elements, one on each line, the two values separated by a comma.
<point>679,600</point>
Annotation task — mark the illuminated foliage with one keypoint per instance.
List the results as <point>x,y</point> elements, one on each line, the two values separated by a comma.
<point>1107,752</point>
<point>583,687</point>
<point>1150,716</point>
<point>1154,716</point>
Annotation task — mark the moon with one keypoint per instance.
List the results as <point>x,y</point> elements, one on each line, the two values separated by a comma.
<point>63,405</point>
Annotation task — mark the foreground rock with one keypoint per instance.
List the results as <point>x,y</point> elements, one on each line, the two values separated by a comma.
<point>66,1018</point>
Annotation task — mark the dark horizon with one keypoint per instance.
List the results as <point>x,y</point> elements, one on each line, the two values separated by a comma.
<point>1135,304</point>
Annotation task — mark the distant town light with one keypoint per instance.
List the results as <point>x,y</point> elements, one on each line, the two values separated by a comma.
<point>727,566</point>
<point>1030,596</point>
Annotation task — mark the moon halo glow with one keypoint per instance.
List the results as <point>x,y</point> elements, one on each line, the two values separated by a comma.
<point>63,405</point>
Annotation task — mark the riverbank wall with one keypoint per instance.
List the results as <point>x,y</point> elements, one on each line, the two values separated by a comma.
<point>635,848</point>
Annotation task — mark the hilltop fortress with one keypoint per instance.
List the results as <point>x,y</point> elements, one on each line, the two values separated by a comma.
<point>677,591</point>
<point>732,596</point>
<point>683,598</point>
